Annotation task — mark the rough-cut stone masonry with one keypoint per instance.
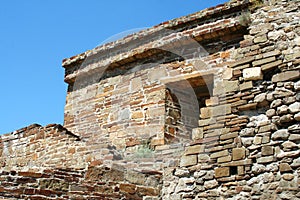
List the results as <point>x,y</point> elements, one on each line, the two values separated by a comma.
<point>206,106</point>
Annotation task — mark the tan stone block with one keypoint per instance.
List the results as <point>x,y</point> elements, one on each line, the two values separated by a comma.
<point>205,113</point>
<point>249,106</point>
<point>264,128</point>
<point>252,74</point>
<point>237,163</point>
<point>228,136</point>
<point>285,167</point>
<point>241,170</point>
<point>221,110</point>
<point>265,159</point>
<point>196,149</point>
<point>204,122</point>
<point>222,172</point>
<point>238,153</point>
<point>219,154</point>
<point>246,85</point>
<point>263,61</point>
<point>157,141</point>
<point>155,75</point>
<point>188,160</point>
<point>227,74</point>
<point>267,150</point>
<point>212,101</point>
<point>286,76</point>
<point>137,115</point>
<point>197,133</point>
<point>225,87</point>
<point>242,61</point>
<point>271,65</point>
<point>224,159</point>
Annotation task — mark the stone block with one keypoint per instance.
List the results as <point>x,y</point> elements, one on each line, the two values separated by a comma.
<point>225,87</point>
<point>252,74</point>
<point>196,149</point>
<point>238,153</point>
<point>222,172</point>
<point>265,159</point>
<point>212,101</point>
<point>227,74</point>
<point>197,133</point>
<point>281,134</point>
<point>204,122</point>
<point>241,170</point>
<point>136,84</point>
<point>246,85</point>
<point>224,159</point>
<point>267,150</point>
<point>285,167</point>
<point>249,106</point>
<point>189,160</point>
<point>221,110</point>
<point>205,113</point>
<point>155,75</point>
<point>286,76</point>
<point>137,115</point>
<point>271,65</point>
<point>265,128</point>
<point>294,108</point>
<point>237,163</point>
<point>219,154</point>
<point>263,61</point>
<point>228,136</point>
<point>242,61</point>
<point>260,39</point>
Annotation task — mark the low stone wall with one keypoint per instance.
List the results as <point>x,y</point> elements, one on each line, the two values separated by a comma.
<point>93,183</point>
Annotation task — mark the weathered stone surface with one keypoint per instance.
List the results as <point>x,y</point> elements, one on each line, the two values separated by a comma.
<point>238,153</point>
<point>222,172</point>
<point>282,110</point>
<point>285,167</point>
<point>265,159</point>
<point>182,173</point>
<point>212,101</point>
<point>267,150</point>
<point>289,145</point>
<point>263,61</point>
<point>210,184</point>
<point>282,134</point>
<point>297,116</point>
<point>246,85</point>
<point>286,76</point>
<point>197,133</point>
<point>294,128</point>
<point>224,159</point>
<point>271,65</point>
<point>188,160</point>
<point>294,108</point>
<point>219,154</point>
<point>260,39</point>
<point>253,73</point>
<point>276,103</point>
<point>196,149</point>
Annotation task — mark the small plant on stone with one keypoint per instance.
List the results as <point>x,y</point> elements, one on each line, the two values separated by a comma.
<point>144,151</point>
<point>245,19</point>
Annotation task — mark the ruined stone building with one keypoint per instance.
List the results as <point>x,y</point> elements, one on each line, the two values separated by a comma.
<point>206,106</point>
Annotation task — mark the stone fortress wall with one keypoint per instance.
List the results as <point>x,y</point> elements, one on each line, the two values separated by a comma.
<point>205,106</point>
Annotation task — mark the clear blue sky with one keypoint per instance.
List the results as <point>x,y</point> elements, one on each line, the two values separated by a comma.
<point>36,35</point>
